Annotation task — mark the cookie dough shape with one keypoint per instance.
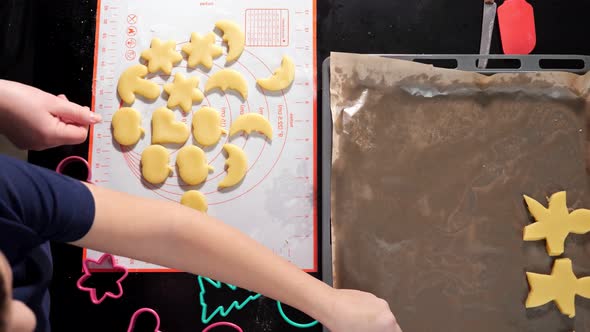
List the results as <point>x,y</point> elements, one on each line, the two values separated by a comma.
<point>161,56</point>
<point>195,200</point>
<point>281,78</point>
<point>227,79</point>
<point>132,83</point>
<point>165,128</point>
<point>126,125</point>
<point>183,92</point>
<point>192,164</point>
<point>202,50</point>
<point>560,286</point>
<point>236,166</point>
<point>251,122</point>
<point>554,224</point>
<point>207,128</point>
<point>154,164</point>
<point>234,37</point>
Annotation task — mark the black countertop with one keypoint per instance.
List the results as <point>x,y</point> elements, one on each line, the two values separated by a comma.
<point>49,44</point>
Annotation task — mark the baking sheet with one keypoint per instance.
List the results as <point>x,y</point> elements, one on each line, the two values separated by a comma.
<point>429,168</point>
<point>276,202</point>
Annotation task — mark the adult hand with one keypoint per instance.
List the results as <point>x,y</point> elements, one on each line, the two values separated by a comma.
<point>36,120</point>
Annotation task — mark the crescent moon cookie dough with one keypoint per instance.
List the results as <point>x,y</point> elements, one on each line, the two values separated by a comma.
<point>207,128</point>
<point>132,83</point>
<point>561,286</point>
<point>236,166</point>
<point>554,224</point>
<point>154,164</point>
<point>192,164</point>
<point>126,124</point>
<point>281,78</point>
<point>234,37</point>
<point>165,128</point>
<point>202,50</point>
<point>251,122</point>
<point>228,79</point>
<point>161,56</point>
<point>183,92</point>
<point>194,200</point>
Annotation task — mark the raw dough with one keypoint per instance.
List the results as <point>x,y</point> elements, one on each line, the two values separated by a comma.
<point>192,165</point>
<point>561,286</point>
<point>183,91</point>
<point>161,56</point>
<point>154,164</point>
<point>555,223</point>
<point>281,78</point>
<point>207,126</point>
<point>251,122</point>
<point>165,128</point>
<point>234,37</point>
<point>202,50</point>
<point>131,83</point>
<point>236,166</point>
<point>194,200</point>
<point>228,79</point>
<point>126,123</point>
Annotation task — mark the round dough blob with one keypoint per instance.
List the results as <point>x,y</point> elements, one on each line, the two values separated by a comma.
<point>281,78</point>
<point>236,166</point>
<point>183,91</point>
<point>165,128</point>
<point>207,128</point>
<point>126,125</point>
<point>250,122</point>
<point>228,79</point>
<point>234,37</point>
<point>154,164</point>
<point>202,50</point>
<point>132,82</point>
<point>195,200</point>
<point>192,164</point>
<point>161,56</point>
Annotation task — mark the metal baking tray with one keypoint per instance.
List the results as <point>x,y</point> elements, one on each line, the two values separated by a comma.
<point>579,64</point>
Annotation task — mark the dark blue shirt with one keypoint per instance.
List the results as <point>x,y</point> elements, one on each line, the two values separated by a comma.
<point>38,206</point>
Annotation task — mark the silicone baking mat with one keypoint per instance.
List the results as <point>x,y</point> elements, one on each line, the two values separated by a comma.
<point>276,202</point>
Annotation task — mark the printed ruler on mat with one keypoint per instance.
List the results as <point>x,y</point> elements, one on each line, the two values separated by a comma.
<point>276,203</point>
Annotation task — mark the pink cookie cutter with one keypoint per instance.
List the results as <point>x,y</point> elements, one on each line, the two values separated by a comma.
<point>139,312</point>
<point>71,160</point>
<point>88,273</point>
<point>228,324</point>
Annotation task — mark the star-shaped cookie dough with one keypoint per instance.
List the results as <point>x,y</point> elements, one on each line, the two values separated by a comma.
<point>183,91</point>
<point>555,223</point>
<point>161,56</point>
<point>560,286</point>
<point>202,50</point>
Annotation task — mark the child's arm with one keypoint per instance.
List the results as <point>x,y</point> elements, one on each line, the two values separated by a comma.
<point>172,235</point>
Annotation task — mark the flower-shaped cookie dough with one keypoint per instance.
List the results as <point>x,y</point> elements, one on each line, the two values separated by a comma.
<point>202,50</point>
<point>161,56</point>
<point>183,91</point>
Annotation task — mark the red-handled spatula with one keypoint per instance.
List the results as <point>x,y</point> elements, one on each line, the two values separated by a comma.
<point>517,27</point>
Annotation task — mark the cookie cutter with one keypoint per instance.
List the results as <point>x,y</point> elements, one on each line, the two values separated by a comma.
<point>220,310</point>
<point>291,322</point>
<point>88,273</point>
<point>72,160</point>
<point>141,311</point>
<point>227,324</point>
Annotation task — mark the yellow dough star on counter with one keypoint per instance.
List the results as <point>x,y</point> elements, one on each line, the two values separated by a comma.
<point>161,56</point>
<point>202,50</point>
<point>560,286</point>
<point>184,92</point>
<point>553,224</point>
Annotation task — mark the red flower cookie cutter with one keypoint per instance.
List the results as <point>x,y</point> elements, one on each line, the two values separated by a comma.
<point>88,273</point>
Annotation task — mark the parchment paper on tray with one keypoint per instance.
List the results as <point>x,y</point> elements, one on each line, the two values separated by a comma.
<point>429,168</point>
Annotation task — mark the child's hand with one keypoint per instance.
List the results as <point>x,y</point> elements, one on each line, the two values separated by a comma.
<point>36,120</point>
<point>355,311</point>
